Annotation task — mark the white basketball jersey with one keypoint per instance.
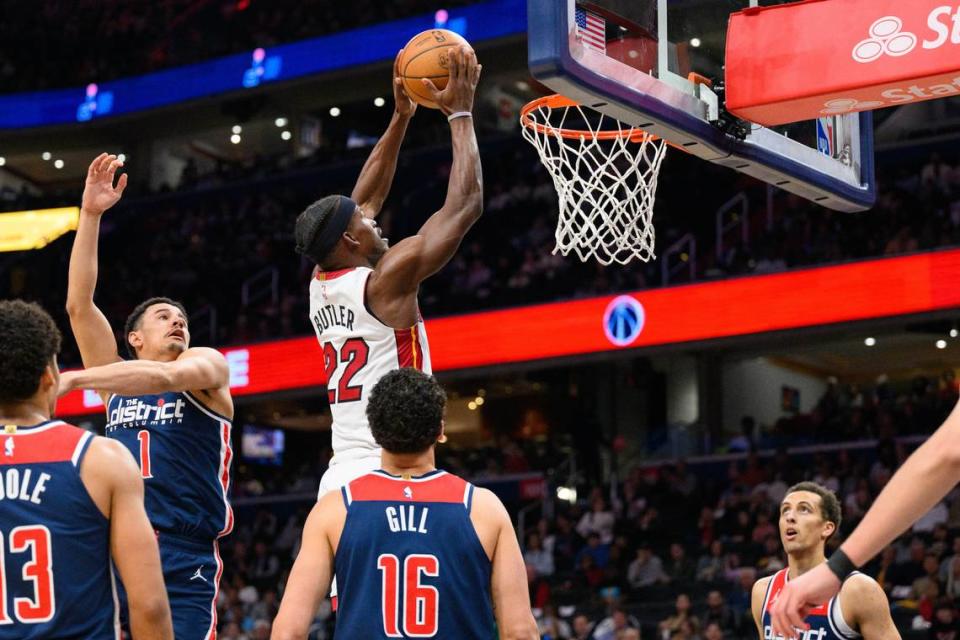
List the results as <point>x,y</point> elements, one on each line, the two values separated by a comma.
<point>358,350</point>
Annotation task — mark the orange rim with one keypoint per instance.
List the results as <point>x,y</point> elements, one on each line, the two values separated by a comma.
<point>557,101</point>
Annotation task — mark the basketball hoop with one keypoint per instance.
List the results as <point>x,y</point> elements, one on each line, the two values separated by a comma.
<point>605,174</point>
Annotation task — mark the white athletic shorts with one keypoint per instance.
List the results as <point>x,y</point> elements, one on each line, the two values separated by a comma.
<point>341,473</point>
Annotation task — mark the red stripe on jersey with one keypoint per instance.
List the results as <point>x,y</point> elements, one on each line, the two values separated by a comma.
<point>418,348</point>
<point>53,443</point>
<point>375,487</point>
<point>227,456</point>
<point>406,347</point>
<point>779,580</point>
<point>332,275</point>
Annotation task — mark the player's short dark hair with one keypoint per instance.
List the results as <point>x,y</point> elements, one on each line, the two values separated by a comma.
<point>29,340</point>
<point>310,226</point>
<point>829,504</point>
<point>405,411</point>
<point>133,320</point>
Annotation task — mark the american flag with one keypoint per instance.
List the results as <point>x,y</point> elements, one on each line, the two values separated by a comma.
<point>591,28</point>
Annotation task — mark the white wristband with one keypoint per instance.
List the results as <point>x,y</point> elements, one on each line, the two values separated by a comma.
<point>459,114</point>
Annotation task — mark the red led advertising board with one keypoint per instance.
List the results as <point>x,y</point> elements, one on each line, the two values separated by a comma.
<point>741,306</point>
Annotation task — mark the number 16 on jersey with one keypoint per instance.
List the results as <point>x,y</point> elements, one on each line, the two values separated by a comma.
<point>406,599</point>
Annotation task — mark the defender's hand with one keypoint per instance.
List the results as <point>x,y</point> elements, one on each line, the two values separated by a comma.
<point>798,597</point>
<point>464,76</point>
<point>99,194</point>
<point>403,105</point>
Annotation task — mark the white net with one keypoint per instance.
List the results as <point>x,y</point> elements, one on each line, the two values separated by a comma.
<point>605,174</point>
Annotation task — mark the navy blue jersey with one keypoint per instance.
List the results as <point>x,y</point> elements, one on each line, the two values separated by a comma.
<point>409,563</point>
<point>826,621</point>
<point>55,577</point>
<point>184,453</point>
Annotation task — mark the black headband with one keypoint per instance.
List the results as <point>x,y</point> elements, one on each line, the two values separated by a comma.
<point>322,242</point>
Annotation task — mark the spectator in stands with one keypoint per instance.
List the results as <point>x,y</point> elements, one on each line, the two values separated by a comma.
<point>599,520</point>
<point>647,569</point>
<point>931,575</point>
<point>718,612</point>
<point>582,627</point>
<point>537,557</point>
<point>680,569</point>
<point>944,624</point>
<point>712,631</point>
<point>616,622</point>
<point>681,616</point>
<point>711,566</point>
<point>553,626</point>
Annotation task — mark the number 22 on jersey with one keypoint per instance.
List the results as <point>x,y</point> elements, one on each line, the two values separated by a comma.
<point>406,598</point>
<point>354,353</point>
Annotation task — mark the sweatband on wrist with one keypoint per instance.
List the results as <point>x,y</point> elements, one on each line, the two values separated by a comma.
<point>841,565</point>
<point>459,114</point>
<point>320,244</point>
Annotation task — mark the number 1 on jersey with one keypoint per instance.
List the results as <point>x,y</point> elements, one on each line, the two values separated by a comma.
<point>144,438</point>
<point>420,602</point>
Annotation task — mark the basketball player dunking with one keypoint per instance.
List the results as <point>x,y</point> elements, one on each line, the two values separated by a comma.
<point>809,515</point>
<point>72,502</point>
<point>418,552</point>
<point>170,406</point>
<point>363,297</point>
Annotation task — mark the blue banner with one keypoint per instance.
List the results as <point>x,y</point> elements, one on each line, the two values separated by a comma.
<point>479,22</point>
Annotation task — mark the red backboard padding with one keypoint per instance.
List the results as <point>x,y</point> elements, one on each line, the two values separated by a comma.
<point>800,61</point>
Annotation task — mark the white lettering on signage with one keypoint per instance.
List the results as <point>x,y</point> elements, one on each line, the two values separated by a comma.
<point>239,363</point>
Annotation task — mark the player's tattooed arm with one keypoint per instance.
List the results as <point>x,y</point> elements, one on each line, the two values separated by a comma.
<point>376,177</point>
<point>867,609</point>
<point>90,327</point>
<point>198,368</point>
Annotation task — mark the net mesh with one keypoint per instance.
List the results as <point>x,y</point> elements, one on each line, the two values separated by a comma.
<point>605,174</point>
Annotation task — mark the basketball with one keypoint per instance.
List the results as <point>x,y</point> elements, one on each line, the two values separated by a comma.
<point>427,55</point>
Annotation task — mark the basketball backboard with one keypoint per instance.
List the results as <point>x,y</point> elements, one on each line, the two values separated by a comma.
<point>633,60</point>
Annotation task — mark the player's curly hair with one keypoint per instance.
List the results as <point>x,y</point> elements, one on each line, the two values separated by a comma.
<point>29,339</point>
<point>133,320</point>
<point>829,504</point>
<point>405,411</point>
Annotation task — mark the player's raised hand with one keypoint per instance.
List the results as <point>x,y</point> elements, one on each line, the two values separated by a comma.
<point>460,89</point>
<point>99,193</point>
<point>402,102</point>
<point>798,597</point>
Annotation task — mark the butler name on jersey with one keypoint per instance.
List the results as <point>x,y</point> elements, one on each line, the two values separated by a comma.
<point>358,350</point>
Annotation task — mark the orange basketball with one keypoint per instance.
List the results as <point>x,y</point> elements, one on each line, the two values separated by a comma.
<point>427,55</point>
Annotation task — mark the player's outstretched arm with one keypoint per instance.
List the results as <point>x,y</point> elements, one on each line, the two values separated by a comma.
<point>197,368</point>
<point>376,177</point>
<point>414,259</point>
<point>90,327</point>
<point>865,605</point>
<point>508,581</point>
<point>312,572</point>
<point>112,476</point>
<point>922,481</point>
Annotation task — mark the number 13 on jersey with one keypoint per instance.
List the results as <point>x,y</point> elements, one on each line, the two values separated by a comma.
<point>406,599</point>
